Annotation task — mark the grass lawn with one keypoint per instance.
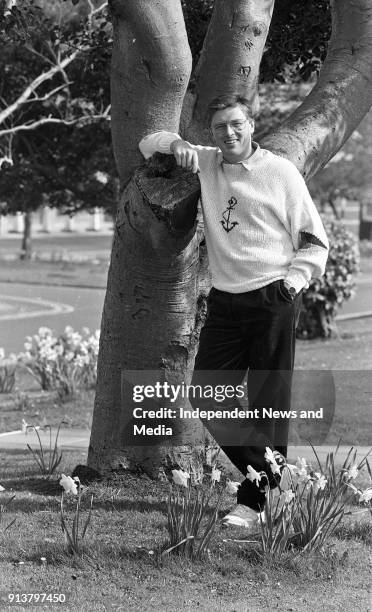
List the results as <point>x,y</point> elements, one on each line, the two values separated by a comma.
<point>55,273</point>
<point>120,571</point>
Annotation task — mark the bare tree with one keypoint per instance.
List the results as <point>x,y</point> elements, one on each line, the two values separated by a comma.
<point>42,88</point>
<point>158,280</point>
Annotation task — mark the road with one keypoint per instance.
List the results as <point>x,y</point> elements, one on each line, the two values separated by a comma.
<point>80,308</point>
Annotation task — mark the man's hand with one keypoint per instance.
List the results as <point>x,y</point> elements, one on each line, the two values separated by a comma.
<point>185,155</point>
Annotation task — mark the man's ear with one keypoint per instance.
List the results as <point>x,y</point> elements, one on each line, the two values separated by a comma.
<point>212,135</point>
<point>251,121</point>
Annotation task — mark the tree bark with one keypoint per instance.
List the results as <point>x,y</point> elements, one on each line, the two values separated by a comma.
<point>153,311</point>
<point>235,42</point>
<point>151,318</point>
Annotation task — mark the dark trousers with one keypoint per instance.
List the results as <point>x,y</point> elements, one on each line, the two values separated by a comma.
<point>249,334</point>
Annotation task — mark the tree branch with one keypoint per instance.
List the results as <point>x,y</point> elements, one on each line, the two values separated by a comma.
<point>316,130</point>
<point>58,67</point>
<point>54,120</point>
<point>38,54</point>
<point>48,95</point>
<point>30,89</point>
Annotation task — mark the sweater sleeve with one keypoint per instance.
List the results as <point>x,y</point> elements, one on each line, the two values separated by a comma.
<point>160,142</point>
<point>309,239</point>
<point>157,142</point>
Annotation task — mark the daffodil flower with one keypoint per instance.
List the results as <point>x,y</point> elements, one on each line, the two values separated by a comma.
<point>216,475</point>
<point>69,484</point>
<point>365,496</point>
<point>287,496</point>
<point>269,455</point>
<point>270,458</point>
<point>301,463</point>
<point>232,487</point>
<point>320,481</point>
<point>252,475</point>
<point>352,472</point>
<point>275,468</point>
<point>180,477</point>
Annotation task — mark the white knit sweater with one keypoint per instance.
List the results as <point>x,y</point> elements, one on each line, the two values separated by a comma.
<point>260,222</point>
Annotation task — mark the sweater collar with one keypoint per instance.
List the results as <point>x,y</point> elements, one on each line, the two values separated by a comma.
<point>250,161</point>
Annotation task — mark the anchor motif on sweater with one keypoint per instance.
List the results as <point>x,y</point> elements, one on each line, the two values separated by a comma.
<point>226,223</point>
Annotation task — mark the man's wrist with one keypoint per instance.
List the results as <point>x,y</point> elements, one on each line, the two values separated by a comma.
<point>172,144</point>
<point>291,290</point>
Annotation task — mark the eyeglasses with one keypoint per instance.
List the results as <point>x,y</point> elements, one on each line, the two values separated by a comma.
<point>237,126</point>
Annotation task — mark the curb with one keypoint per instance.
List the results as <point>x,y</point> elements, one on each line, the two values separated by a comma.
<point>8,281</point>
<point>354,315</point>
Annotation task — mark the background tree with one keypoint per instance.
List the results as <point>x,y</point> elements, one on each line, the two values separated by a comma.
<point>155,301</point>
<point>54,108</point>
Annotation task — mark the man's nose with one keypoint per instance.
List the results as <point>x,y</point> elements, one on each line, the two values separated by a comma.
<point>229,129</point>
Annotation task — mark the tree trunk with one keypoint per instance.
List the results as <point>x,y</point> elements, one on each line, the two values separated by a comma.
<point>26,249</point>
<point>153,311</point>
<point>155,300</point>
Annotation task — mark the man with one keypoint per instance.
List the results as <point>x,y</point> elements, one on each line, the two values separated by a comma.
<point>265,241</point>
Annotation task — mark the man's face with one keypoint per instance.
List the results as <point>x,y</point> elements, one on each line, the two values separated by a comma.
<point>232,132</point>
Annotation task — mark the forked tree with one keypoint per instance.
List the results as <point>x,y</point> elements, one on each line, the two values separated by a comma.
<point>158,276</point>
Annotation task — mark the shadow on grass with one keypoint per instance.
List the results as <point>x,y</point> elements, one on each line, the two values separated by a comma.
<point>40,487</point>
<point>33,484</point>
<point>94,555</point>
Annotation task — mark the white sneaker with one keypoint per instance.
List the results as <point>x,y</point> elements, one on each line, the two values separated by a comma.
<point>242,516</point>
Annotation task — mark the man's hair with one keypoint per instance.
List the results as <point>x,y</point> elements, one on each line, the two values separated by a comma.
<point>227,100</point>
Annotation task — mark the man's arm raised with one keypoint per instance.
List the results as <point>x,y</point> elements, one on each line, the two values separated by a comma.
<point>185,154</point>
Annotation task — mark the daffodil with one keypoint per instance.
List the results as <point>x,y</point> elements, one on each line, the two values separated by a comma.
<point>301,463</point>
<point>301,468</point>
<point>320,481</point>
<point>232,487</point>
<point>352,472</point>
<point>365,496</point>
<point>180,477</point>
<point>270,457</point>
<point>287,496</point>
<point>216,475</point>
<point>252,475</point>
<point>69,484</point>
